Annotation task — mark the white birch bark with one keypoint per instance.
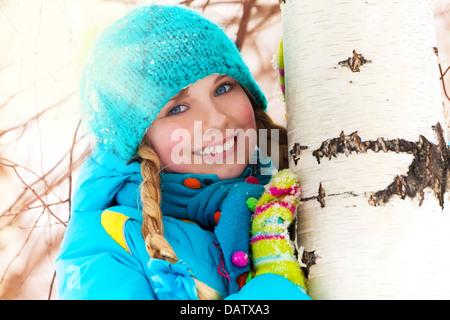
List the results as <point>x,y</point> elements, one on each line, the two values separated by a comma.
<point>394,250</point>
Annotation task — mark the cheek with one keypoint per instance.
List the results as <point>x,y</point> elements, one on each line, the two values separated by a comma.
<point>244,114</point>
<point>249,117</point>
<point>170,142</point>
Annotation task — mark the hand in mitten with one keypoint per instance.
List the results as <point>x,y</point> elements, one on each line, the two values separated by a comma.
<point>271,247</point>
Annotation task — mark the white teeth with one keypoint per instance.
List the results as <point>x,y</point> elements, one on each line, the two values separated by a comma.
<point>228,145</point>
<point>218,149</point>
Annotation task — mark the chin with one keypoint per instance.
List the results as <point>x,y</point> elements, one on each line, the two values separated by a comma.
<point>223,171</point>
<point>229,171</point>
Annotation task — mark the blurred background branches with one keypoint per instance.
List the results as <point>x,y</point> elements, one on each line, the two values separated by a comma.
<point>42,142</point>
<point>43,44</point>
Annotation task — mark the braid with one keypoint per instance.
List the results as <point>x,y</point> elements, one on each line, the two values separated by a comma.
<point>152,226</point>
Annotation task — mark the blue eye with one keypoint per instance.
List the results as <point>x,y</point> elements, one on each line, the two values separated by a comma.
<point>177,109</point>
<point>223,88</point>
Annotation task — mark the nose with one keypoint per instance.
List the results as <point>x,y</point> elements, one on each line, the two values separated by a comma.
<point>216,117</point>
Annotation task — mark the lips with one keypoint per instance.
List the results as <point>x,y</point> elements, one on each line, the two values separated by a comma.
<point>217,148</point>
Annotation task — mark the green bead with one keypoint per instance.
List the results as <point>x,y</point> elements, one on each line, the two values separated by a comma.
<point>249,277</point>
<point>251,203</point>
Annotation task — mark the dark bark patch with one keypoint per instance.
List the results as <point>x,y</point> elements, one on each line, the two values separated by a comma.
<point>429,167</point>
<point>309,259</point>
<point>296,151</point>
<point>321,197</point>
<point>354,62</point>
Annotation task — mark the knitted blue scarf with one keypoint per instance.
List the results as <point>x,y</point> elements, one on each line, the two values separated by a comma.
<point>211,195</point>
<point>116,182</point>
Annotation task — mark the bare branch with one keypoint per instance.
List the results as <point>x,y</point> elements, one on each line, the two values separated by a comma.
<point>246,15</point>
<point>26,123</point>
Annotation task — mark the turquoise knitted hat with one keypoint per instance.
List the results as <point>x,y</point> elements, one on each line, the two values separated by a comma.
<point>143,60</point>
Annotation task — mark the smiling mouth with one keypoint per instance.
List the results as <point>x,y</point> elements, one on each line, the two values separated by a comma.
<point>217,149</point>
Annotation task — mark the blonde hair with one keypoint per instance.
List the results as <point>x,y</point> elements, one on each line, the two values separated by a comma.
<point>152,226</point>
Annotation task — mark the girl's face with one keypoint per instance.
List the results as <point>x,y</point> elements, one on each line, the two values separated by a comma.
<point>207,128</point>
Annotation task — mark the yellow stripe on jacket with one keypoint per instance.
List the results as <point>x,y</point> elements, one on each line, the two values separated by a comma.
<point>114,224</point>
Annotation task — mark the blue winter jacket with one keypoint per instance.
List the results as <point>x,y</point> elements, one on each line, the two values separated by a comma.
<point>103,254</point>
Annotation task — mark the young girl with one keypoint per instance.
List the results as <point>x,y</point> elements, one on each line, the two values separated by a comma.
<point>162,210</point>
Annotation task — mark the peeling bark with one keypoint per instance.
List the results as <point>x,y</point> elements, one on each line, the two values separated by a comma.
<point>309,259</point>
<point>321,197</point>
<point>429,168</point>
<point>296,151</point>
<point>347,144</point>
<point>354,62</point>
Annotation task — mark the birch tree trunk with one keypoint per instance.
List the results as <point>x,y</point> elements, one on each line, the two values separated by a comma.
<point>366,136</point>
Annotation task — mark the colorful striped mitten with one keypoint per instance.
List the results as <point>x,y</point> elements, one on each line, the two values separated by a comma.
<point>272,249</point>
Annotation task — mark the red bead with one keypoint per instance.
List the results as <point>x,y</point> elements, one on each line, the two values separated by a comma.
<point>242,280</point>
<point>192,183</point>
<point>252,180</point>
<point>217,216</point>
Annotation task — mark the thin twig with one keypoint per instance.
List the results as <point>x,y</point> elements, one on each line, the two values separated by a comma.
<point>25,209</point>
<point>35,117</point>
<point>21,248</point>
<point>243,24</point>
<point>271,11</point>
<point>37,196</point>
<point>436,51</point>
<point>42,178</point>
<point>51,285</point>
<point>443,80</point>
<point>445,73</point>
<point>74,140</point>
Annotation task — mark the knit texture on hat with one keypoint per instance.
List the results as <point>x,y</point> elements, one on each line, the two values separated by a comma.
<point>146,58</point>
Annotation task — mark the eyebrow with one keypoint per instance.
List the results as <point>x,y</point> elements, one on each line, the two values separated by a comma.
<point>185,92</point>
<point>180,96</point>
<point>220,78</point>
